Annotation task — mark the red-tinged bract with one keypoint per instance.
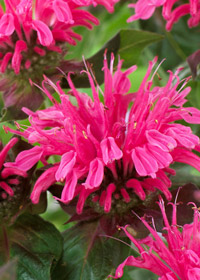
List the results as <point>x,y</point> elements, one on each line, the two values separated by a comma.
<point>172,11</point>
<point>111,154</point>
<point>173,256</point>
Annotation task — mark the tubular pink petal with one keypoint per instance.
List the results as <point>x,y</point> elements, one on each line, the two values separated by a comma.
<point>69,188</point>
<point>17,57</point>
<point>6,188</point>
<point>137,187</point>
<point>95,175</point>
<point>102,198</point>
<point>9,171</point>
<point>39,51</point>
<point>84,193</point>
<point>27,159</point>
<point>7,26</point>
<point>144,163</point>
<point>5,61</point>
<point>63,11</point>
<point>110,150</point>
<point>158,184</point>
<point>108,200</point>
<point>125,195</point>
<point>66,165</point>
<point>5,150</point>
<point>190,115</point>
<point>164,159</point>
<point>13,182</point>
<point>187,157</point>
<point>193,273</point>
<point>43,183</point>
<point>24,7</point>
<point>164,142</point>
<point>44,33</point>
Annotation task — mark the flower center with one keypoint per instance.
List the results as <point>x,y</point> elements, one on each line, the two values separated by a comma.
<point>29,60</point>
<point>114,194</point>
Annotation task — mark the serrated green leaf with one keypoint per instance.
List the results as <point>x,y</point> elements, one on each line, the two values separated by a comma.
<point>37,245</point>
<point>87,255</point>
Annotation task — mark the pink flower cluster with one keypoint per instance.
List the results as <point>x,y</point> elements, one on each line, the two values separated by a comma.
<point>31,29</point>
<point>174,256</point>
<point>145,8</point>
<point>108,151</point>
<point>8,175</point>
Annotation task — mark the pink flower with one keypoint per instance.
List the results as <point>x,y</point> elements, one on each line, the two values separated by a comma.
<point>33,41</point>
<point>9,176</point>
<point>34,31</point>
<point>110,154</point>
<point>174,256</point>
<point>145,8</point>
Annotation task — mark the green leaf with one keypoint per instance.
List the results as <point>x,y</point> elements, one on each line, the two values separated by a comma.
<point>132,43</point>
<point>37,245</point>
<point>141,274</point>
<point>128,43</point>
<point>87,255</point>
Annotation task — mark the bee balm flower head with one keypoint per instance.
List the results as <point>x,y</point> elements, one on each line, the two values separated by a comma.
<point>111,156</point>
<point>175,256</point>
<point>32,33</point>
<point>33,40</point>
<point>172,11</point>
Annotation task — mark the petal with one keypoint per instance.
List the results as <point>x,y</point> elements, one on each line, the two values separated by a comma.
<point>44,33</point>
<point>43,183</point>
<point>110,150</point>
<point>9,171</point>
<point>69,188</point>
<point>7,26</point>
<point>185,156</point>
<point>17,57</point>
<point>160,140</point>
<point>66,165</point>
<point>5,150</point>
<point>164,159</point>
<point>5,61</point>
<point>136,185</point>
<point>144,163</point>
<point>63,11</point>
<point>193,273</point>
<point>27,159</point>
<point>190,115</point>
<point>7,188</point>
<point>96,173</point>
<point>108,200</point>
